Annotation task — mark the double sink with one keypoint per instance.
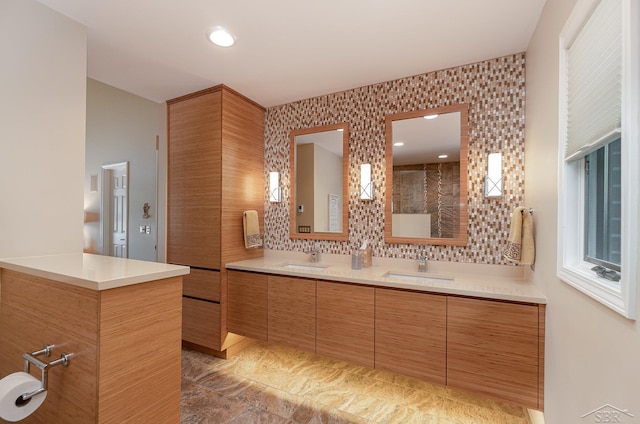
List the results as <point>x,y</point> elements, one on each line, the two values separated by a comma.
<point>409,277</point>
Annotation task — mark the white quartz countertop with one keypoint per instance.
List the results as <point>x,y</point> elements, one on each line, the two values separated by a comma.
<point>95,272</point>
<point>485,281</point>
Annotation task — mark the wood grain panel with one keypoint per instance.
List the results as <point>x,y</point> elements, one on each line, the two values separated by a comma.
<point>140,353</point>
<point>203,284</point>
<point>345,322</point>
<point>492,349</point>
<point>541,336</point>
<point>216,172</point>
<point>292,312</point>
<point>201,322</point>
<point>247,304</point>
<point>243,186</point>
<point>193,200</point>
<point>34,312</point>
<point>411,334</point>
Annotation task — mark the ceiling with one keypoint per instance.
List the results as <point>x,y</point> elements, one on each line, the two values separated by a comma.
<point>289,50</point>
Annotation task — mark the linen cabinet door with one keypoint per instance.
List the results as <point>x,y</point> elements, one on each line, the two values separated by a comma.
<point>247,304</point>
<point>492,349</point>
<point>292,312</point>
<point>194,181</point>
<point>411,334</point>
<point>346,322</point>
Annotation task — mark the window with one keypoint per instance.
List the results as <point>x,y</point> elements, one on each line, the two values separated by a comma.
<point>603,207</point>
<point>599,154</point>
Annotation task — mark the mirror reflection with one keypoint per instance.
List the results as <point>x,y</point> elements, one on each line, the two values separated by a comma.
<point>426,166</point>
<point>319,159</point>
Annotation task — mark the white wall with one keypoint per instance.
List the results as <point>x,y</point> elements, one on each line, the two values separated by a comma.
<point>123,127</point>
<point>42,121</point>
<point>592,353</point>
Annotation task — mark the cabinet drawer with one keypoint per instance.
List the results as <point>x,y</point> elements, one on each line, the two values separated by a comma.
<point>203,284</point>
<point>201,322</point>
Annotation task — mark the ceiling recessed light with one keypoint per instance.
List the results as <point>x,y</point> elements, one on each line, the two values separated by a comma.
<point>431,116</point>
<point>443,156</point>
<point>221,37</point>
<point>398,143</point>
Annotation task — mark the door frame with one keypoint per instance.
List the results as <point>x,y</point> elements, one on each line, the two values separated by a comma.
<point>106,209</point>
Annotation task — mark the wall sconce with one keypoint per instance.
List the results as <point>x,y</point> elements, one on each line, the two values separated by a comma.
<point>493,180</point>
<point>275,191</point>
<point>367,187</point>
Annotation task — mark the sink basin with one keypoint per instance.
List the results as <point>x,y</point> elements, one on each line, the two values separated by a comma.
<point>417,278</point>
<point>303,267</point>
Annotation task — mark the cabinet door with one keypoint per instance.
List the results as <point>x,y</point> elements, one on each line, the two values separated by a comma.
<point>492,349</point>
<point>411,334</point>
<point>247,304</point>
<point>292,312</point>
<point>194,180</point>
<point>345,322</point>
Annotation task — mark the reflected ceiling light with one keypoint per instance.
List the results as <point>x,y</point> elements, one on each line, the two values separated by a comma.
<point>398,143</point>
<point>221,37</point>
<point>443,156</point>
<point>340,129</point>
<point>431,116</point>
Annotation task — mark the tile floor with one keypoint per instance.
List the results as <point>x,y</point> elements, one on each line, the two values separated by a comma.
<point>269,384</point>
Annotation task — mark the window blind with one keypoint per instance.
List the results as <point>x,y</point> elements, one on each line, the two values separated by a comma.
<point>594,81</point>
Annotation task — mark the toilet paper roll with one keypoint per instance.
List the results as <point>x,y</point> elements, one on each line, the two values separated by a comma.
<point>11,388</point>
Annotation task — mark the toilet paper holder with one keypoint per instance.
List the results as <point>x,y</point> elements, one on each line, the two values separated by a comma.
<point>30,359</point>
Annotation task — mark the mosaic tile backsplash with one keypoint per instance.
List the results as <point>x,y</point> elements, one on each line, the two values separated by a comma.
<point>495,92</point>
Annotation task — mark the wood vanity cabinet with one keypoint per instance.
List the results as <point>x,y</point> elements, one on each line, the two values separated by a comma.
<point>411,334</point>
<point>490,347</point>
<point>345,322</point>
<point>496,348</point>
<point>215,172</point>
<point>292,312</point>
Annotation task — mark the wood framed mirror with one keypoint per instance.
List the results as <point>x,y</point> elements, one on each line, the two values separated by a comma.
<point>426,176</point>
<point>319,159</point>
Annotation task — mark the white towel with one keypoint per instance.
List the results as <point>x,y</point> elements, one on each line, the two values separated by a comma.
<point>251,224</point>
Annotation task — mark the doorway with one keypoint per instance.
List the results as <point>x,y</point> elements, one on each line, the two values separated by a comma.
<point>114,209</point>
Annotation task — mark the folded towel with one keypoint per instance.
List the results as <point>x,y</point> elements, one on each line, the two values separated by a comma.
<point>251,226</point>
<point>520,246</point>
<point>528,254</point>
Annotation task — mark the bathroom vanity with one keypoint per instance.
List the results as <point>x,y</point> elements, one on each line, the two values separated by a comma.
<point>478,328</point>
<point>119,318</point>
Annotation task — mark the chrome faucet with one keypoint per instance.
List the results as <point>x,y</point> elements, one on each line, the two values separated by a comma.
<point>422,263</point>
<point>315,255</point>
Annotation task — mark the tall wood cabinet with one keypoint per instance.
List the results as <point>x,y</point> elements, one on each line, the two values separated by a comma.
<point>215,172</point>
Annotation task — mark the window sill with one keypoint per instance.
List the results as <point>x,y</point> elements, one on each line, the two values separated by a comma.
<point>605,291</point>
